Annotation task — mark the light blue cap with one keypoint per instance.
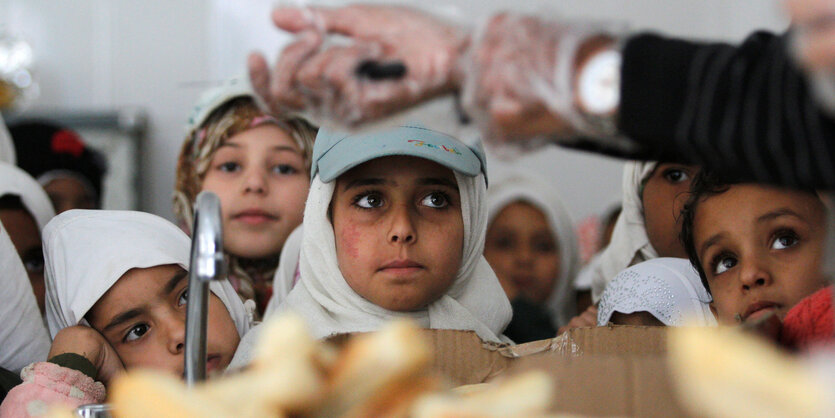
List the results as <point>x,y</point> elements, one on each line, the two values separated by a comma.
<point>336,152</point>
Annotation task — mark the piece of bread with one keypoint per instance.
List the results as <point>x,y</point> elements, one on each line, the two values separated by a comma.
<point>725,373</point>
<point>524,395</point>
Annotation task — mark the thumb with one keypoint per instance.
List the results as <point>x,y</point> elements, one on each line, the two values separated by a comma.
<point>348,21</point>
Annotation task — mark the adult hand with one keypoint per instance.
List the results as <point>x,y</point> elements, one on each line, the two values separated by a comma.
<point>87,342</point>
<point>511,78</point>
<point>311,75</point>
<point>814,21</point>
<point>585,319</point>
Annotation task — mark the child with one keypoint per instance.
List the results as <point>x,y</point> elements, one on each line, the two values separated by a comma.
<point>70,171</point>
<point>23,336</point>
<point>394,227</point>
<point>532,247</point>
<point>116,298</point>
<point>647,227</point>
<point>258,166</point>
<point>758,249</point>
<point>24,211</point>
<point>662,291</point>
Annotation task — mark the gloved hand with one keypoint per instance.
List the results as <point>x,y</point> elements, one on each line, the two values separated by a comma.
<point>517,75</point>
<point>322,79</point>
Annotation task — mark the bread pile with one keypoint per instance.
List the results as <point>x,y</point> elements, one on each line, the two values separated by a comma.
<point>727,373</point>
<point>378,374</point>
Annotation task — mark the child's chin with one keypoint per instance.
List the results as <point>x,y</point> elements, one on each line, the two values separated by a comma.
<point>403,306</point>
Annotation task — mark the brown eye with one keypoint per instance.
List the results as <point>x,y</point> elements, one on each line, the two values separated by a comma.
<point>674,175</point>
<point>369,201</point>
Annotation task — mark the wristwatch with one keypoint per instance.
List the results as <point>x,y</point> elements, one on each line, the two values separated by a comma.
<point>597,84</point>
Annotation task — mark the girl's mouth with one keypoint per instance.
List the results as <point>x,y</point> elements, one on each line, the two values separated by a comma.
<point>401,267</point>
<point>758,309</point>
<point>254,217</point>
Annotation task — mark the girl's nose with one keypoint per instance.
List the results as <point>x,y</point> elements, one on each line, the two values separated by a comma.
<point>754,273</point>
<point>255,182</point>
<point>402,229</point>
<point>175,332</point>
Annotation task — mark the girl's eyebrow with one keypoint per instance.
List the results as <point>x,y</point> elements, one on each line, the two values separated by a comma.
<point>284,148</point>
<point>364,182</point>
<point>174,281</point>
<point>778,213</point>
<point>711,242</point>
<point>122,318</point>
<point>439,181</point>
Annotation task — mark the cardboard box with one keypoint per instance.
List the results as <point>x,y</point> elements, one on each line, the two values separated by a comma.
<point>604,371</point>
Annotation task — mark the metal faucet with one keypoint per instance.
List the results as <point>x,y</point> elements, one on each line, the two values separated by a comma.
<point>207,263</point>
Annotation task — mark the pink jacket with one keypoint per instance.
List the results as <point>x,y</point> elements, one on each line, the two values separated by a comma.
<point>47,384</point>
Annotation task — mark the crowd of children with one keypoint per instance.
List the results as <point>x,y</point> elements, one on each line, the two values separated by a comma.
<point>352,229</point>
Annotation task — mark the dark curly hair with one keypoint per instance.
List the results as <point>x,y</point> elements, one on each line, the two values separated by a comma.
<point>703,186</point>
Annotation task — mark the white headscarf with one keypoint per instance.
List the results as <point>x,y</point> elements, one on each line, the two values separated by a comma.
<point>475,301</point>
<point>512,185</point>
<point>7,151</point>
<point>87,251</point>
<point>23,336</point>
<point>14,181</point>
<point>668,288</point>
<point>285,276</point>
<point>630,244</point>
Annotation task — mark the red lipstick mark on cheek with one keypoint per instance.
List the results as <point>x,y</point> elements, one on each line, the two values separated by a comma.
<point>349,241</point>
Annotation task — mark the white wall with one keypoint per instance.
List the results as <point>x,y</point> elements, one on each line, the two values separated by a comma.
<point>159,54</point>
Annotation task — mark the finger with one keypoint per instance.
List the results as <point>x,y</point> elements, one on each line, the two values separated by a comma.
<point>259,75</point>
<point>343,20</point>
<point>283,88</point>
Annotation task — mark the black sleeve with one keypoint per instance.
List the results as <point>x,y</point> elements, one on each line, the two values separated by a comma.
<point>744,111</point>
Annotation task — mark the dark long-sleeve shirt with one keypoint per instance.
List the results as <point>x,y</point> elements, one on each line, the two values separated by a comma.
<point>745,111</point>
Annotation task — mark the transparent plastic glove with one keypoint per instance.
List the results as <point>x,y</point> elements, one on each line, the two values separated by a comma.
<point>325,80</point>
<point>521,78</point>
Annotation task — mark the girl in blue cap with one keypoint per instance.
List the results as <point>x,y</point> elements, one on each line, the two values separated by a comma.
<point>394,226</point>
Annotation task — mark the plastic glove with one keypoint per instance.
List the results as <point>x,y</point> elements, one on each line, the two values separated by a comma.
<point>521,77</point>
<point>322,79</point>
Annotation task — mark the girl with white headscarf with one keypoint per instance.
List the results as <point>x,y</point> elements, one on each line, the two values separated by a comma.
<point>23,336</point>
<point>648,226</point>
<point>89,253</point>
<point>25,209</point>
<point>630,243</point>
<point>474,301</point>
<point>516,185</point>
<point>668,289</point>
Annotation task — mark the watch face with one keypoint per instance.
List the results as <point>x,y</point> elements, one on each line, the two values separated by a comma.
<point>599,83</point>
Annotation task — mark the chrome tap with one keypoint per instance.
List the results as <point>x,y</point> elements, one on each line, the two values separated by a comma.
<point>207,263</point>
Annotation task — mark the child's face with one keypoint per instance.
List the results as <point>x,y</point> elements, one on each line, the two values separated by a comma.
<point>143,316</point>
<point>760,248</point>
<point>399,231</point>
<point>68,193</point>
<point>663,198</point>
<point>260,177</point>
<point>26,238</point>
<point>523,251</point>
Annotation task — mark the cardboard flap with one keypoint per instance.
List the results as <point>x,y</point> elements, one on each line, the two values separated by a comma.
<point>613,339</point>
